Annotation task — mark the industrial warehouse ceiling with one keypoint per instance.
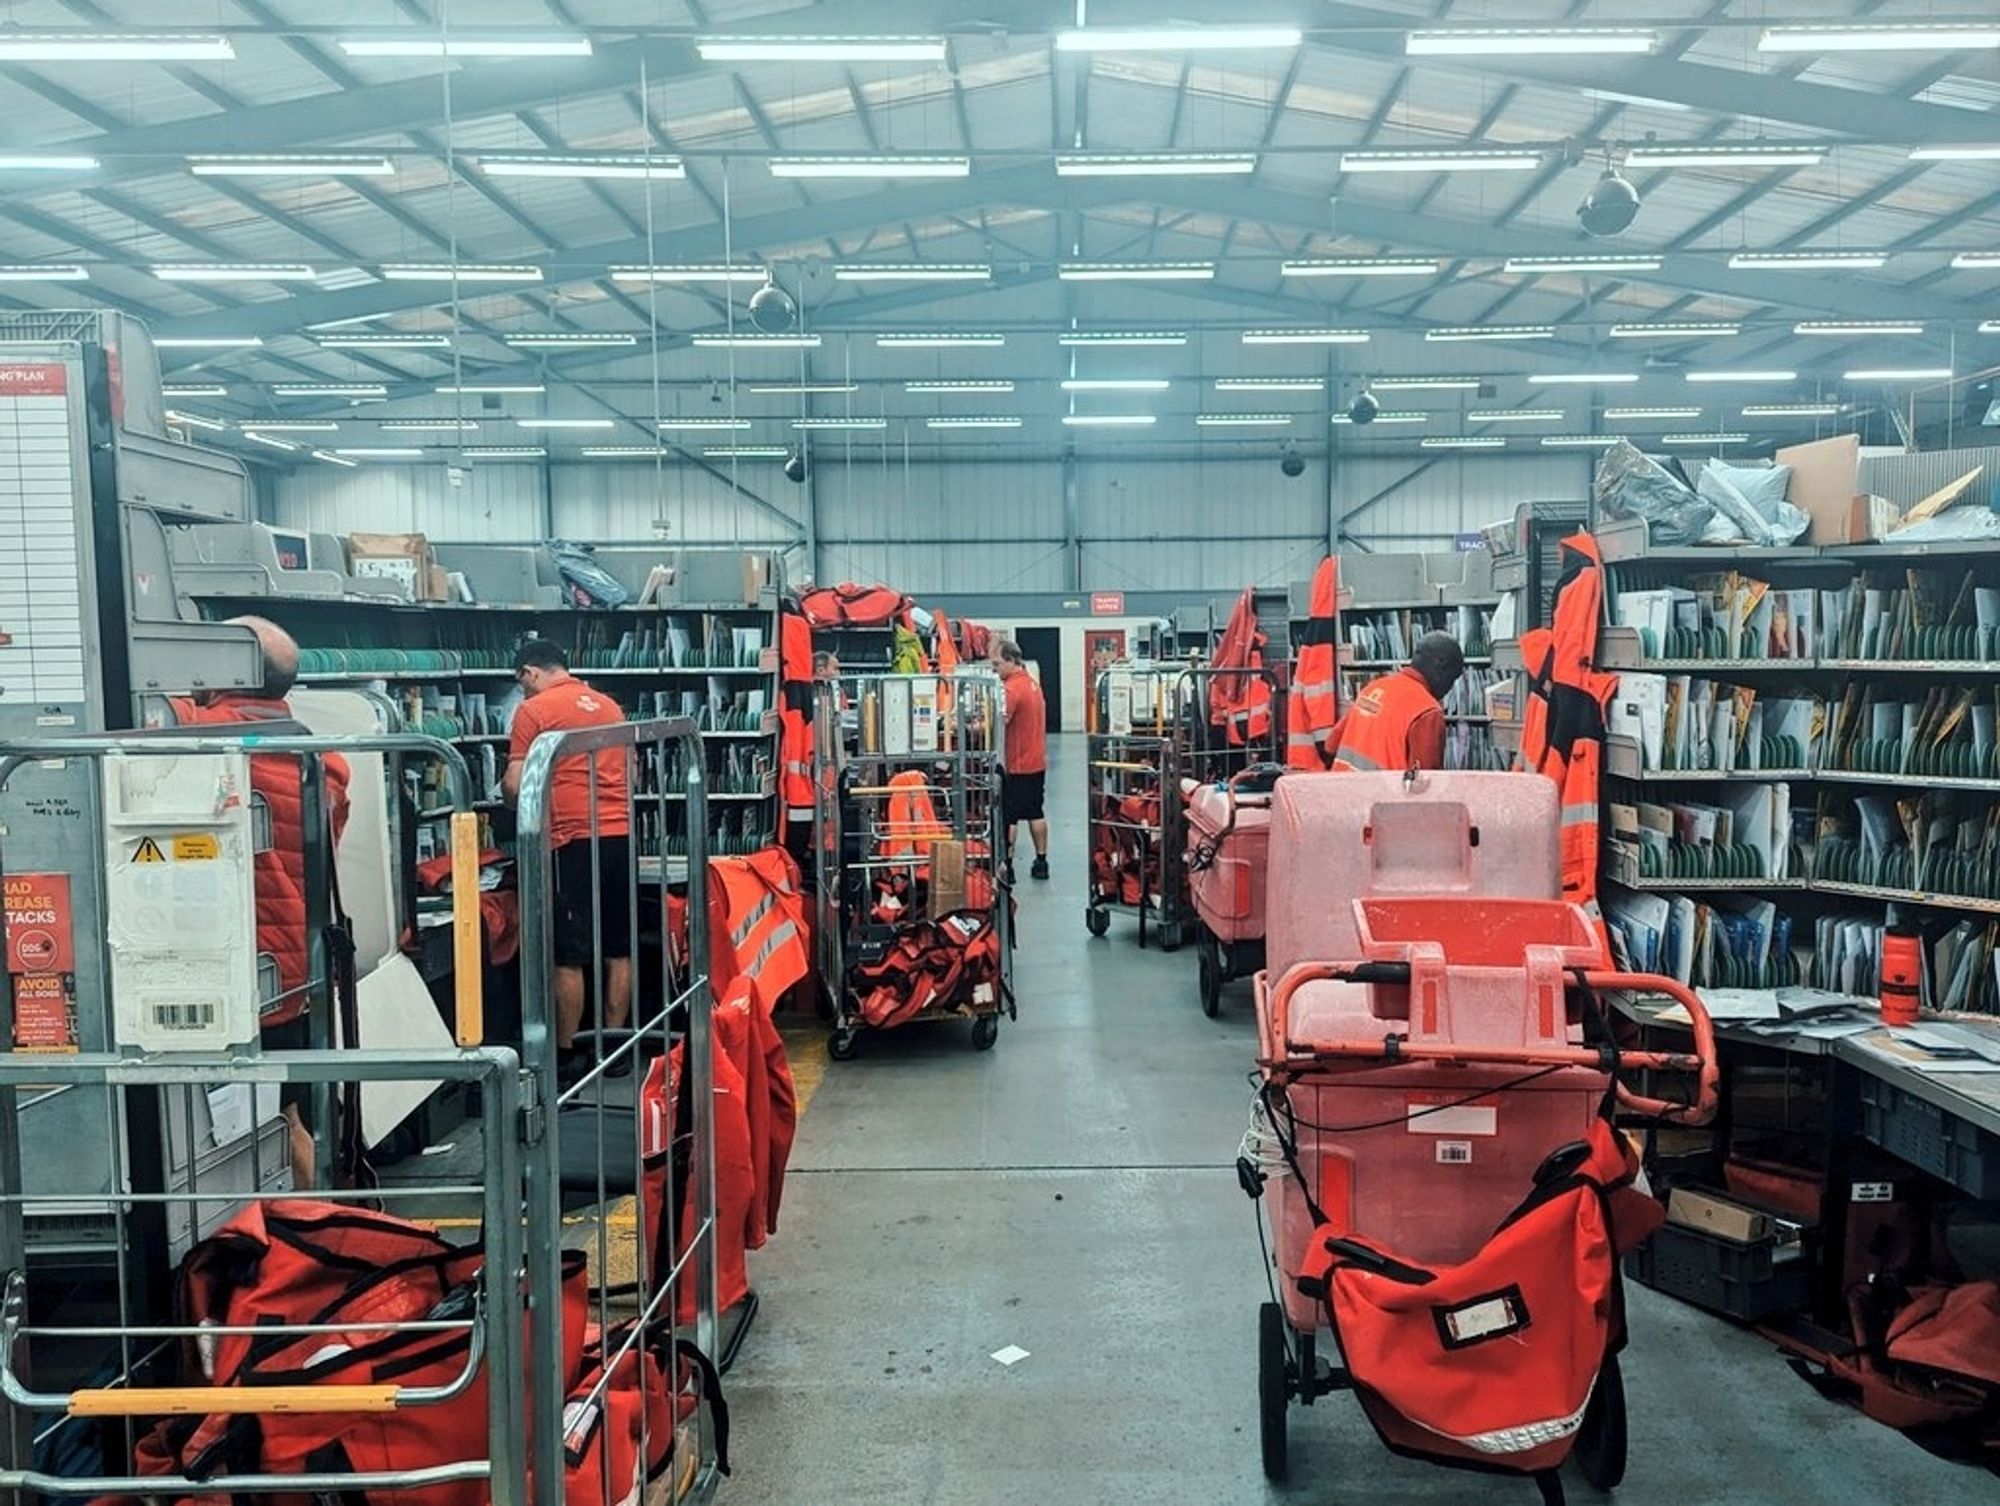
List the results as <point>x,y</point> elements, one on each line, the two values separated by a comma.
<point>513,229</point>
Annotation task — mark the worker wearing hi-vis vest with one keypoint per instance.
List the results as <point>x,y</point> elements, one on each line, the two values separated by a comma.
<point>1312,710</point>
<point>1397,722</point>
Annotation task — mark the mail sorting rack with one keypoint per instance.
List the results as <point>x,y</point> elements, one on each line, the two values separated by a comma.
<point>1208,754</point>
<point>462,1419</point>
<point>1133,822</point>
<point>910,852</point>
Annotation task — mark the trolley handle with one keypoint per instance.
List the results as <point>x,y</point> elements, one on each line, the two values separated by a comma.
<point>1704,1063</point>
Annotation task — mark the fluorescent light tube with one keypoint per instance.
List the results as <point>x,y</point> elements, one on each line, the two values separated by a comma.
<point>624,451</point>
<point>1305,337</point>
<point>112,47</point>
<point>748,452</point>
<point>1890,36</point>
<point>339,165</point>
<point>1386,418</point>
<point>870,167</point>
<point>665,424</point>
<point>804,389</point>
<point>1682,329</point>
<point>1808,260</point>
<point>1122,337</point>
<point>959,386</point>
<point>915,271</point>
<point>1629,413</point>
<point>1115,384</point>
<point>1153,164</point>
<point>1791,410</point>
<point>1966,153</point>
<point>493,389</point>
<point>1898,374</point>
<point>1136,271</point>
<point>1362,266</point>
<point>568,165</point>
<point>385,342</point>
<point>1544,265</point>
<point>567,340</point>
<point>379,452</point>
<point>330,389</point>
<point>295,426</point>
<point>1463,442</point>
<point>31,273</point>
<point>1579,441</point>
<point>1580,378</point>
<point>1514,416</point>
<point>1513,41</point>
<point>758,49</point>
<point>196,421</point>
<point>1440,160</point>
<point>566,423</point>
<point>974,421</point>
<point>1643,101</point>
<point>1759,154</point>
<point>692,272</point>
<point>240,272</point>
<point>270,440</point>
<point>504,452</point>
<point>201,390</point>
<point>840,423</point>
<point>332,459</point>
<point>1989,326</point>
<point>939,339</point>
<point>1243,420</point>
<point>1716,439</point>
<point>30,162</point>
<point>1427,383</point>
<point>423,44</point>
<point>1742,376</point>
<point>1491,332</point>
<point>757,342</point>
<point>1108,420</point>
<point>1857,327</point>
<point>459,272</point>
<point>428,425</point>
<point>1270,384</point>
<point>1177,38</point>
<point>1969,260</point>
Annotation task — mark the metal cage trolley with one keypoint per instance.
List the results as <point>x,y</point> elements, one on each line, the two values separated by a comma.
<point>1133,848</point>
<point>915,916</point>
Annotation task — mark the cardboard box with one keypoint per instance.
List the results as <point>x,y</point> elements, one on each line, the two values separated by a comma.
<point>402,557</point>
<point>1873,518</point>
<point>1692,1208</point>
<point>1825,480</point>
<point>947,876</point>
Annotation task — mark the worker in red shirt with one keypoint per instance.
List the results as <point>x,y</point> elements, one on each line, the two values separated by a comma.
<point>279,870</point>
<point>1397,722</point>
<point>559,702</point>
<point>1027,754</point>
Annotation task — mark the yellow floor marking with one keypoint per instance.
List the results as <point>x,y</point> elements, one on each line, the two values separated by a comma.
<point>805,1045</point>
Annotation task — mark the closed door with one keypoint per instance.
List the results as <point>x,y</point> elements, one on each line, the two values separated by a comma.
<point>1102,647</point>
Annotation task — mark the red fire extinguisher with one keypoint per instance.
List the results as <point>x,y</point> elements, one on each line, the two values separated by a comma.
<point>1902,975</point>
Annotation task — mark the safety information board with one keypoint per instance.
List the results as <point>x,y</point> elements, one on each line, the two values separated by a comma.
<point>41,590</point>
<point>41,960</point>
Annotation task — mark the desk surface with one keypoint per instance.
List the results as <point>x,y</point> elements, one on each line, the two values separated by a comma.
<point>1971,1096</point>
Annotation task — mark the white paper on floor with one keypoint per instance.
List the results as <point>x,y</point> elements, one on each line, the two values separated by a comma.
<point>1013,1354</point>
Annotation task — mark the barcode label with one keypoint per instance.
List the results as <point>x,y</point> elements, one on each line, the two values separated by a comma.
<point>181,1015</point>
<point>1455,1152</point>
<point>1872,1192</point>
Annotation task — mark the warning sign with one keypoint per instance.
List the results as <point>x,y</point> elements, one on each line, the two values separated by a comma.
<point>38,923</point>
<point>148,852</point>
<point>196,847</point>
<point>45,1012</point>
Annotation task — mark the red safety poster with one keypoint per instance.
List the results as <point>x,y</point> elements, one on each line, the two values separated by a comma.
<point>41,955</point>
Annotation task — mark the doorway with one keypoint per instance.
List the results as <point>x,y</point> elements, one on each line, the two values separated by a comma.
<point>1042,647</point>
<point>1102,647</point>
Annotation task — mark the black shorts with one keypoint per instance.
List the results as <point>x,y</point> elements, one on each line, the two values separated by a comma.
<point>293,1035</point>
<point>613,869</point>
<point>1021,796</point>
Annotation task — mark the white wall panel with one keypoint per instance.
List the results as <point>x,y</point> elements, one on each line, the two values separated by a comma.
<point>496,501</point>
<point>866,500</point>
<point>1136,499</point>
<point>1454,495</point>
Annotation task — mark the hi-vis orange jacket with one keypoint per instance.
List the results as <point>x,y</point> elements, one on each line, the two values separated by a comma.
<point>1375,733</point>
<point>795,717</point>
<point>1240,703</point>
<point>1314,705</point>
<point>1562,724</point>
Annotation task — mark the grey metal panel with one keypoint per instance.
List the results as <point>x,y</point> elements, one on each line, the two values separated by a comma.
<point>1911,478</point>
<point>1135,499</point>
<point>1018,500</point>
<point>497,501</point>
<point>1223,566</point>
<point>626,500</point>
<point>959,566</point>
<point>1424,502</point>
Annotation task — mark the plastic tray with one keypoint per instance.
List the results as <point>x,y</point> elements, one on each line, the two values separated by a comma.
<point>1915,1130</point>
<point>1739,1281</point>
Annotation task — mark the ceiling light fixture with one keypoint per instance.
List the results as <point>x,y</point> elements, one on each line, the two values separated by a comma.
<point>336,165</point>
<point>664,424</point>
<point>379,452</point>
<point>1579,441</point>
<point>1858,327</point>
<point>840,423</point>
<point>1808,260</point>
<point>1362,266</point>
<point>1742,376</point>
<point>1791,410</point>
<point>270,440</point>
<point>238,272</point>
<point>1115,384</point>
<point>1153,164</point>
<point>1463,442</point>
<point>1973,260</point>
<point>748,452</point>
<point>1755,154</point>
<point>493,389</point>
<point>756,49</point>
<point>384,342</point>
<point>1632,413</point>
<point>1427,383</point>
<point>1989,326</point>
<point>1540,266</point>
<point>915,271</point>
<point>29,162</point>
<point>112,47</point>
<point>1516,41</point>
<point>1890,36</point>
<point>1964,153</point>
<point>504,452</point>
<point>1108,420</point>
<point>1643,101</point>
<point>566,423</point>
<point>31,273</point>
<point>1404,417</point>
<point>870,167</point>
<point>1898,374</point>
<point>196,421</point>
<point>1715,439</point>
<point>330,389</point>
<point>692,272</point>
<point>806,389</point>
<point>459,272</point>
<point>613,165</point>
<point>959,386</point>
<point>1513,416</point>
<point>423,44</point>
<point>568,340</point>
<point>974,421</point>
<point>1243,420</point>
<point>1122,337</point>
<point>1270,384</point>
<point>1580,378</point>
<point>1305,337</point>
<point>1676,330</point>
<point>332,459</point>
<point>939,339</point>
<point>1177,38</point>
<point>428,425</point>
<point>1490,332</point>
<point>203,390</point>
<point>755,342</point>
<point>295,426</point>
<point>625,451</point>
<point>1136,271</point>
<point>1441,160</point>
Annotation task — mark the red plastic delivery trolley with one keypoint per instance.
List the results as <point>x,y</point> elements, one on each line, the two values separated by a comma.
<point>1228,835</point>
<point>1433,1142</point>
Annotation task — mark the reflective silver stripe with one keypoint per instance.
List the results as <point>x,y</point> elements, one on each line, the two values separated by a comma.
<point>1302,739</point>
<point>1580,815</point>
<point>1359,762</point>
<point>787,932</point>
<point>748,924</point>
<point>797,766</point>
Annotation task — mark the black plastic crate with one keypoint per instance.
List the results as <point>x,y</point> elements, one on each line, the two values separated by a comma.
<point>1739,1281</point>
<point>1915,1130</point>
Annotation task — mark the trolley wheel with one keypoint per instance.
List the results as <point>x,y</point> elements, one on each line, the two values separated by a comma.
<point>844,1045</point>
<point>985,1031</point>
<point>1274,1388</point>
<point>1600,1441</point>
<point>1097,920</point>
<point>1210,974</point>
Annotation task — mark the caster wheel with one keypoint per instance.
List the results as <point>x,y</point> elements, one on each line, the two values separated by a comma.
<point>1274,1388</point>
<point>985,1031</point>
<point>1600,1441</point>
<point>1098,921</point>
<point>1210,976</point>
<point>843,1045</point>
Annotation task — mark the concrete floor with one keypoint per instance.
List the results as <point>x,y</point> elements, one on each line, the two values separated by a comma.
<point>1072,1192</point>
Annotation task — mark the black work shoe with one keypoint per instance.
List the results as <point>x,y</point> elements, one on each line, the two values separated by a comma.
<point>619,1066</point>
<point>1040,870</point>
